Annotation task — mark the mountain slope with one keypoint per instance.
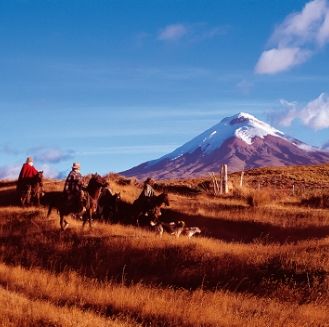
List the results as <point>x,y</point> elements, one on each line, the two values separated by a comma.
<point>241,141</point>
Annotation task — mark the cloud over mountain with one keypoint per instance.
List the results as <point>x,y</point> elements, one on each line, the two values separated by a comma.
<point>315,114</point>
<point>296,39</point>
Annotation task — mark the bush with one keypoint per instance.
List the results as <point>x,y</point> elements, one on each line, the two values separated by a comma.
<point>254,198</point>
<point>316,201</point>
<point>258,198</point>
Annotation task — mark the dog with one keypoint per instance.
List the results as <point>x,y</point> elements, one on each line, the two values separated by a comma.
<point>175,228</point>
<point>190,231</point>
<point>157,227</point>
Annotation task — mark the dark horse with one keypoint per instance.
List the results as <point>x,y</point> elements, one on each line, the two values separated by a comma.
<point>107,207</point>
<point>30,190</point>
<point>86,207</point>
<point>147,209</point>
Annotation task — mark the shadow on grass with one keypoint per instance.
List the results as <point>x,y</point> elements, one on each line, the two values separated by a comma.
<point>8,196</point>
<point>247,231</point>
<point>29,241</point>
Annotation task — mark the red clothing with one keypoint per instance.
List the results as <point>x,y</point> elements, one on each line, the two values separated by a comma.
<point>27,172</point>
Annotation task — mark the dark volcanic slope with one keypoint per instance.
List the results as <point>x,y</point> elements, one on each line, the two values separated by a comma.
<point>247,145</point>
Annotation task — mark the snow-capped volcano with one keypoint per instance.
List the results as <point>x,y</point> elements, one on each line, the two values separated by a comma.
<point>242,141</point>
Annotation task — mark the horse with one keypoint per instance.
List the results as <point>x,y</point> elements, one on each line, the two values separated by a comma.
<point>86,206</point>
<point>147,209</point>
<point>30,190</point>
<point>107,207</point>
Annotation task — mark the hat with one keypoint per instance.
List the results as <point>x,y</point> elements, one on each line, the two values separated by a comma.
<point>148,180</point>
<point>76,165</point>
<point>29,159</point>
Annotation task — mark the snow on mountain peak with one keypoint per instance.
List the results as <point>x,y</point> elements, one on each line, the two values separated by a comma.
<point>242,125</point>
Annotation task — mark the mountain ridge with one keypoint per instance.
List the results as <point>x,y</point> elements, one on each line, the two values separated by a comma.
<point>242,141</point>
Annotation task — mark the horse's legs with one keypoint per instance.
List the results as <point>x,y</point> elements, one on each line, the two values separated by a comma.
<point>85,217</point>
<point>49,211</point>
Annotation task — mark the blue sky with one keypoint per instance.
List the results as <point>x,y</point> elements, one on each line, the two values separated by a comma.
<point>112,84</point>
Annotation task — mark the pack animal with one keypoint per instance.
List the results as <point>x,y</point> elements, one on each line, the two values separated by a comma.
<point>87,207</point>
<point>107,208</point>
<point>144,209</point>
<point>30,190</point>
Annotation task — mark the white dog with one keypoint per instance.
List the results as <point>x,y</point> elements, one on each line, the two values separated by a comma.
<point>175,228</point>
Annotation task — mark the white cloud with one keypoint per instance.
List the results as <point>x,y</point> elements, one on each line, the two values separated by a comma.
<point>53,155</point>
<point>195,32</point>
<point>173,32</point>
<point>294,41</point>
<point>49,172</point>
<point>277,60</point>
<point>9,172</point>
<point>323,34</point>
<point>315,114</point>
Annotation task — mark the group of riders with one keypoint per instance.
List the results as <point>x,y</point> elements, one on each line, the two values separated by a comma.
<point>74,187</point>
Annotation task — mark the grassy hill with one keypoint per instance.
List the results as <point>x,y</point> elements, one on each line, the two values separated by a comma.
<point>254,265</point>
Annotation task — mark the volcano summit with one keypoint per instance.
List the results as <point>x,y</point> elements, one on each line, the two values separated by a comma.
<point>241,141</point>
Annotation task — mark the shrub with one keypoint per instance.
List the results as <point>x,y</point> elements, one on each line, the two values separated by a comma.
<point>316,201</point>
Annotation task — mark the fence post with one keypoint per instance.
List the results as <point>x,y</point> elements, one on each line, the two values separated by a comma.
<point>221,179</point>
<point>225,180</point>
<point>214,183</point>
<point>241,179</point>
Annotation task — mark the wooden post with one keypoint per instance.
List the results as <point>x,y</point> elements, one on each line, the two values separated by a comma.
<point>214,183</point>
<point>225,180</point>
<point>221,179</point>
<point>241,179</point>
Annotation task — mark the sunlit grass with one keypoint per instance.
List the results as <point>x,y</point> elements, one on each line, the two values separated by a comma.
<point>253,265</point>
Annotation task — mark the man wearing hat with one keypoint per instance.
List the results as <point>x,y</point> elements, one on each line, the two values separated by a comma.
<point>27,172</point>
<point>144,199</point>
<point>25,177</point>
<point>148,190</point>
<point>73,185</point>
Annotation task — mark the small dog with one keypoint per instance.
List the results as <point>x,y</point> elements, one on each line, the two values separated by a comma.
<point>175,228</point>
<point>157,227</point>
<point>190,231</point>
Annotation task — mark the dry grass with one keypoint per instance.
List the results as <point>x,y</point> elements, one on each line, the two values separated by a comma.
<point>151,306</point>
<point>261,265</point>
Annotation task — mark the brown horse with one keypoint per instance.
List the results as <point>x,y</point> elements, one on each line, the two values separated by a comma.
<point>85,207</point>
<point>107,207</point>
<point>30,190</point>
<point>147,209</point>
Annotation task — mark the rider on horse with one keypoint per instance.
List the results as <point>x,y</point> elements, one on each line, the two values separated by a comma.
<point>146,196</point>
<point>26,174</point>
<point>73,188</point>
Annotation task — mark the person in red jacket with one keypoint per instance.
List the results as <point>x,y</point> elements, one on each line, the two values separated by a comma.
<point>26,174</point>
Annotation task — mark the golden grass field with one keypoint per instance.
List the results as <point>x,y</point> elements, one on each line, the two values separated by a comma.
<point>262,258</point>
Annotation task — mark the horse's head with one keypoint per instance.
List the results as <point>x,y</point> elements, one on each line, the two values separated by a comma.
<point>165,198</point>
<point>39,176</point>
<point>97,181</point>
